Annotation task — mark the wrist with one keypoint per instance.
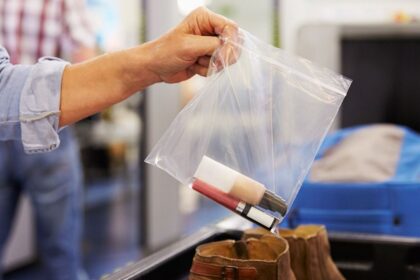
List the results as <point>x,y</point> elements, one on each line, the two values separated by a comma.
<point>137,68</point>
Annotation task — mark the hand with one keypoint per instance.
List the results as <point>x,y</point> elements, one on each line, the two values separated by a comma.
<point>185,50</point>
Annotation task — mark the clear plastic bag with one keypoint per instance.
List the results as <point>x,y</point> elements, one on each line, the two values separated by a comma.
<point>248,139</point>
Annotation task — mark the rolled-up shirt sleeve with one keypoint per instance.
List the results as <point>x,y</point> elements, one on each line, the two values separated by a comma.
<point>30,102</point>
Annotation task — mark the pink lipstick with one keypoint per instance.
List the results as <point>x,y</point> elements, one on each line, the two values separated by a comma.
<point>244,209</point>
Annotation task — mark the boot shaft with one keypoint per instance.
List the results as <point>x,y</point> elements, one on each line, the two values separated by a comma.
<point>310,253</point>
<point>264,258</point>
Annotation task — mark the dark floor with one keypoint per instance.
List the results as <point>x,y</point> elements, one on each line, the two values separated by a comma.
<point>111,229</point>
<point>110,237</point>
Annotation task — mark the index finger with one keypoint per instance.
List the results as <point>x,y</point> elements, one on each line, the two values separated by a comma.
<point>221,24</point>
<point>202,21</point>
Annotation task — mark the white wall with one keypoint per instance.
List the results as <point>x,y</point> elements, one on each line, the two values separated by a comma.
<point>163,223</point>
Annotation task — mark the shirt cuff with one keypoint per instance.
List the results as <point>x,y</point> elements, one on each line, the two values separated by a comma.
<point>40,106</point>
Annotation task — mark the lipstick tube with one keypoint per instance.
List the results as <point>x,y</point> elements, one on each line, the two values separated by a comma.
<point>246,210</point>
<point>238,185</point>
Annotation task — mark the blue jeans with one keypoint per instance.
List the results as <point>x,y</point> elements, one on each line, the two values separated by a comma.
<point>53,182</point>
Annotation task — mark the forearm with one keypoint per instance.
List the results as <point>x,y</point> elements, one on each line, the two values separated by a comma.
<point>94,85</point>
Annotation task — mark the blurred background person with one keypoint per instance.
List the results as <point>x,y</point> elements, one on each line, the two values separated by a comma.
<point>31,29</point>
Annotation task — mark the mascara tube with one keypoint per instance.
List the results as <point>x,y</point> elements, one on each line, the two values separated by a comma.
<point>238,185</point>
<point>246,210</point>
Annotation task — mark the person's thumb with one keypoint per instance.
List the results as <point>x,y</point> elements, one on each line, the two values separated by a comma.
<point>198,46</point>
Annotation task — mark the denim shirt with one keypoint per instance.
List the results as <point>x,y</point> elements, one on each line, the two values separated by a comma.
<point>30,102</point>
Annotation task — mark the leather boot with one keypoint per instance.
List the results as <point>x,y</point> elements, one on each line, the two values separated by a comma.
<point>263,258</point>
<point>310,253</point>
<point>257,232</point>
